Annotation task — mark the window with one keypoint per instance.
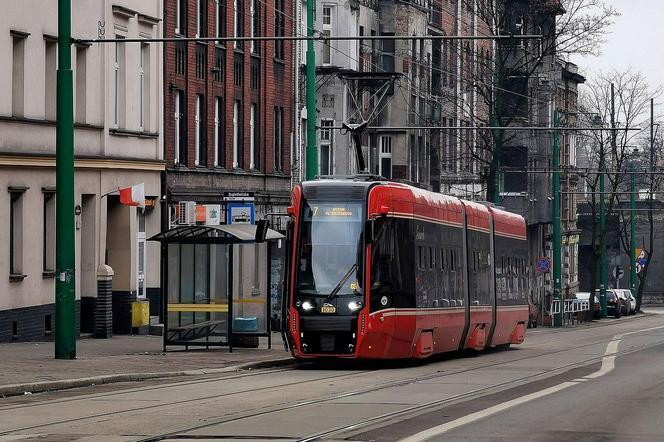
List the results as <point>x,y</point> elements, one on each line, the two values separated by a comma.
<point>201,18</point>
<point>385,157</point>
<point>119,77</point>
<point>50,73</point>
<point>279,28</point>
<point>255,24</point>
<point>325,130</point>
<point>325,160</point>
<point>236,134</point>
<point>16,233</point>
<point>180,128</point>
<point>18,74</point>
<point>201,60</point>
<point>181,17</point>
<point>219,64</point>
<point>220,21</point>
<point>252,137</point>
<point>422,259</point>
<point>219,133</point>
<point>201,135</point>
<point>144,93</point>
<point>180,57</point>
<point>238,71</point>
<point>278,137</point>
<point>520,30</point>
<point>255,73</point>
<point>238,22</point>
<point>81,85</point>
<point>48,265</point>
<point>327,32</point>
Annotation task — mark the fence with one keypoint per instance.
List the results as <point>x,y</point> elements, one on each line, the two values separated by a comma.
<point>573,310</point>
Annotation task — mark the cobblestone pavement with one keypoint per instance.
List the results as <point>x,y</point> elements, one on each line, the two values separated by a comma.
<point>34,362</point>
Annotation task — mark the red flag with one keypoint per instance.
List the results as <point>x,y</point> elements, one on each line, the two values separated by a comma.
<point>133,196</point>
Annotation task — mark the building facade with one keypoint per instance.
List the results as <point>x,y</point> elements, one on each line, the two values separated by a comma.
<point>535,86</point>
<point>117,141</point>
<point>228,105</point>
<point>429,82</point>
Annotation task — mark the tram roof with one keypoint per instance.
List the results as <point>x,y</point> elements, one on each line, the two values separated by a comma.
<point>223,234</point>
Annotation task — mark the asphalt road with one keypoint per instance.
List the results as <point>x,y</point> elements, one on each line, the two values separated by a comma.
<point>592,383</point>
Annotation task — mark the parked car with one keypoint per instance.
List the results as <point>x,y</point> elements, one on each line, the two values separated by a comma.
<point>624,300</point>
<point>614,305</point>
<point>597,309</point>
<point>631,300</point>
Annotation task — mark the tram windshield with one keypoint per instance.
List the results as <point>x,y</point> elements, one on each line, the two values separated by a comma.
<point>330,245</point>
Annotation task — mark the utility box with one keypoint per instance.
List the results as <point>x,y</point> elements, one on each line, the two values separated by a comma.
<point>140,314</point>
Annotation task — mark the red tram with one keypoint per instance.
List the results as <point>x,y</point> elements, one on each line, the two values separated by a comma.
<point>383,270</point>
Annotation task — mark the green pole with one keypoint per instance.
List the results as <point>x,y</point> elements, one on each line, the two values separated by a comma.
<point>557,239</point>
<point>312,149</point>
<point>65,321</point>
<point>602,237</point>
<point>632,229</point>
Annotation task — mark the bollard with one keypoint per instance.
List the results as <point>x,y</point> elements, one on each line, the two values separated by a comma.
<point>104,304</point>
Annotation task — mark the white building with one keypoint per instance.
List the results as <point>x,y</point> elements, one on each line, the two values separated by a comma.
<point>118,143</point>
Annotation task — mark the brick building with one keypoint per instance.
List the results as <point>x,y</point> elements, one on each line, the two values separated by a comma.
<point>228,104</point>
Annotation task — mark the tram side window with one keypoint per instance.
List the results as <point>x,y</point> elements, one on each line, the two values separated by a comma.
<point>432,258</point>
<point>393,266</point>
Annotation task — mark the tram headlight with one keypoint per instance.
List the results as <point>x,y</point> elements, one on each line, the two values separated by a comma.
<point>307,305</point>
<point>355,305</point>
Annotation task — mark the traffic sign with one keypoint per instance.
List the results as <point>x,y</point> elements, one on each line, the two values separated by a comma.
<point>543,264</point>
<point>641,260</point>
<point>618,272</point>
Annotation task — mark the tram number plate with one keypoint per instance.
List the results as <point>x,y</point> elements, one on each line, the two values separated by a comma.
<point>328,309</point>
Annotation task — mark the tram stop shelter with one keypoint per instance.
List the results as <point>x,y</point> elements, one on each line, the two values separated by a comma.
<point>215,284</point>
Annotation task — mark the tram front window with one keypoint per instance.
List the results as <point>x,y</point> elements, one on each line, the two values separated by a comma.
<point>330,236</point>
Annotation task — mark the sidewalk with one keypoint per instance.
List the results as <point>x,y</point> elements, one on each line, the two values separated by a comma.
<point>32,367</point>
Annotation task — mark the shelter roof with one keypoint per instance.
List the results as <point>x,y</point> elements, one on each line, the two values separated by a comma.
<point>224,234</point>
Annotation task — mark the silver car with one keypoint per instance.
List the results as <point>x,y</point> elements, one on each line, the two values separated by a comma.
<point>631,300</point>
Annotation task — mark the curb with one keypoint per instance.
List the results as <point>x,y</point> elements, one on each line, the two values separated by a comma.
<point>64,384</point>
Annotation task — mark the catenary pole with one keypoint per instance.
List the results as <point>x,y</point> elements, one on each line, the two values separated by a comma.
<point>632,229</point>
<point>312,149</point>
<point>65,321</point>
<point>557,239</point>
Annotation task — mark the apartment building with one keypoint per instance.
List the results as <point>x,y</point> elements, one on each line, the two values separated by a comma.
<point>118,143</point>
<point>228,107</point>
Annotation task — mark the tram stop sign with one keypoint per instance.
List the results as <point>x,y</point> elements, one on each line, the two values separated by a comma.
<point>543,264</point>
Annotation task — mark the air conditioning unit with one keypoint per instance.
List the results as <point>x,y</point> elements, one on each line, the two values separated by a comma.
<point>185,213</point>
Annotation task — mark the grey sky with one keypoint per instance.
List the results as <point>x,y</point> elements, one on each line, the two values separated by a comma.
<point>635,40</point>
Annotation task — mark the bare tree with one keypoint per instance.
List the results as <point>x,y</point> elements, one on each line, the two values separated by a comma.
<point>618,110</point>
<point>501,73</point>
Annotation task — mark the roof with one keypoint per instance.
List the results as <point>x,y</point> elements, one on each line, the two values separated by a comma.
<point>224,234</point>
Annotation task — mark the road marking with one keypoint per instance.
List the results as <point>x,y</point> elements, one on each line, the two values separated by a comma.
<point>437,431</point>
<point>608,364</point>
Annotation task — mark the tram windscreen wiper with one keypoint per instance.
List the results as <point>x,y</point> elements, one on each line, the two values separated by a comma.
<point>340,284</point>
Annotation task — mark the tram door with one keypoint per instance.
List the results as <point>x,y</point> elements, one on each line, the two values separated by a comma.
<point>479,270</point>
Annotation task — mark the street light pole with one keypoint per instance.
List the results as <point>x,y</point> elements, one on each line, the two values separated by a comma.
<point>557,239</point>
<point>312,150</point>
<point>65,321</point>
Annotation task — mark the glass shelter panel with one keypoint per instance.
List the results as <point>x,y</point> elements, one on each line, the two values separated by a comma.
<point>250,288</point>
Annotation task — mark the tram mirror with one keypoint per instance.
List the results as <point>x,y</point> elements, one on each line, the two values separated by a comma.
<point>370,231</point>
<point>261,230</point>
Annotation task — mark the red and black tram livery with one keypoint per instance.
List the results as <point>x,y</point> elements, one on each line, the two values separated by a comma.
<point>384,270</point>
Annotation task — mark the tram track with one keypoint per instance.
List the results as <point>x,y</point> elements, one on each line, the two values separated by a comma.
<point>415,410</point>
<point>288,405</point>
